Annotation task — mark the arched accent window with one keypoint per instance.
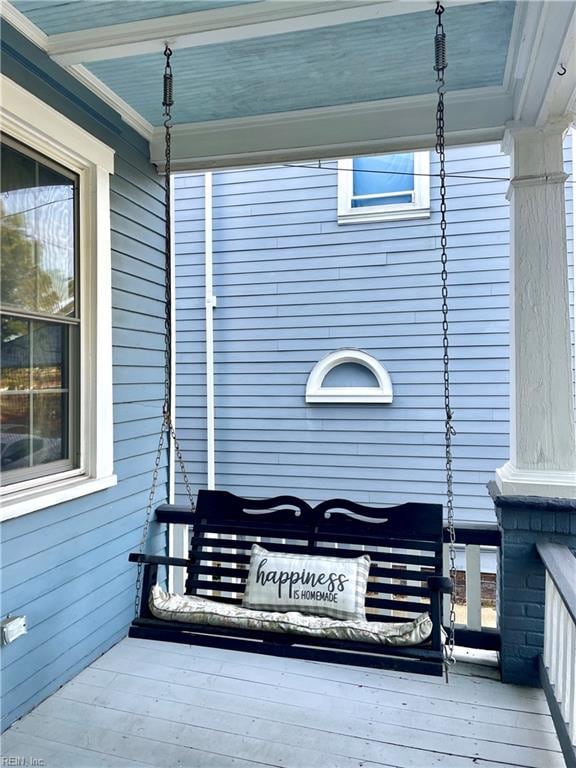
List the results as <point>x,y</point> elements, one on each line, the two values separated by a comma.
<point>362,379</point>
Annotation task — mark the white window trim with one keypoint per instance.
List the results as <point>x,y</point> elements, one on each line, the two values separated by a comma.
<point>38,126</point>
<point>418,209</point>
<point>317,393</point>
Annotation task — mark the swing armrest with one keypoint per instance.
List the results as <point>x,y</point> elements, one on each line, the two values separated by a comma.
<point>139,557</point>
<point>440,584</point>
<point>171,513</point>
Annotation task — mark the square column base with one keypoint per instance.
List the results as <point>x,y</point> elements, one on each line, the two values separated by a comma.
<point>512,481</point>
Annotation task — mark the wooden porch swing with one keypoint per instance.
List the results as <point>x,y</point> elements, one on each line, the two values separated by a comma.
<point>404,543</point>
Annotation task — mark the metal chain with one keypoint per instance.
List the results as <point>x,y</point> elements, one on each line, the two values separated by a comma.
<point>167,430</point>
<point>449,431</point>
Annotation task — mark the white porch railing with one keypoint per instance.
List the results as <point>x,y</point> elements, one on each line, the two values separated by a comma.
<point>558,664</point>
<point>477,548</point>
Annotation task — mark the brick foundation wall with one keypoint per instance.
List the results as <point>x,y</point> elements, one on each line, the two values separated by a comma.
<point>524,521</point>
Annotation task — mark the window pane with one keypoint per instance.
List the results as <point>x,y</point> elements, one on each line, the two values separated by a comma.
<point>37,397</point>
<point>15,370</point>
<point>383,175</point>
<point>49,436</point>
<point>34,431</point>
<point>49,355</point>
<point>15,438</point>
<point>38,235</point>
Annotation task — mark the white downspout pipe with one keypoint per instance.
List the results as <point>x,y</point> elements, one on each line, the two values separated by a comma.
<point>177,534</point>
<point>210,302</point>
<point>171,454</point>
<point>573,265</point>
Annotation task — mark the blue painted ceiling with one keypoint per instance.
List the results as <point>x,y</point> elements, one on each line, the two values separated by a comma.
<point>356,62</point>
<point>76,15</point>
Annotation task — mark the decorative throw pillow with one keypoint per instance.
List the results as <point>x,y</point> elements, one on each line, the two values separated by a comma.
<point>321,586</point>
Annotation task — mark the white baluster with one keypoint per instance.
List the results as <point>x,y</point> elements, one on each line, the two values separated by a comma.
<point>570,703</point>
<point>567,667</point>
<point>548,622</point>
<point>446,598</point>
<point>554,634</point>
<point>560,652</point>
<point>473,588</point>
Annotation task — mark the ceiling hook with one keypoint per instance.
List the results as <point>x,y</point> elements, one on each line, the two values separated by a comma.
<point>562,71</point>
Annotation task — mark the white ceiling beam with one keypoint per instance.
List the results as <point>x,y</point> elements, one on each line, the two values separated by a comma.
<point>548,41</point>
<point>27,28</point>
<point>560,96</point>
<point>474,116</point>
<point>226,25</point>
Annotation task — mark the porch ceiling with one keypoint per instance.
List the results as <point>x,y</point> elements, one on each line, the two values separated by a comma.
<point>263,80</point>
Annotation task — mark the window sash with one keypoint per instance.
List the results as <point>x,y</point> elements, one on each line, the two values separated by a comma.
<point>378,195</point>
<point>73,177</point>
<point>70,356</point>
<point>417,207</point>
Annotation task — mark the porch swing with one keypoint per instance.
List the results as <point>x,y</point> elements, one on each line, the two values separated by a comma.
<point>396,550</point>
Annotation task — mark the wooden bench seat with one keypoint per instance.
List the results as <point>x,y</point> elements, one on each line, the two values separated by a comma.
<point>404,544</point>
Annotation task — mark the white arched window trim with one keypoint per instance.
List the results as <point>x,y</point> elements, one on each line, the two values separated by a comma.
<point>316,393</point>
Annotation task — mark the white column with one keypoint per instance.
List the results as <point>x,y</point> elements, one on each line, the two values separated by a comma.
<point>542,444</point>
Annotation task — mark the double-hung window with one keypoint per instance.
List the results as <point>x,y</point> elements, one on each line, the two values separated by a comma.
<point>40,317</point>
<point>385,187</point>
<point>55,307</point>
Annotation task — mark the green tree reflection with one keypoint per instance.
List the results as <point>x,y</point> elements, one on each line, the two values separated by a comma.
<point>24,284</point>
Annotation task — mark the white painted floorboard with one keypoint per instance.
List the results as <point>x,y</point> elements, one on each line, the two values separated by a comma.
<point>147,703</point>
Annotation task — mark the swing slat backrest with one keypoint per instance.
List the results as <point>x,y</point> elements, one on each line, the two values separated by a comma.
<point>404,544</point>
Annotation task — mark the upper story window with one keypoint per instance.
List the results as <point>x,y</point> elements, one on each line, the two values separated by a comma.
<point>56,435</point>
<point>40,320</point>
<point>384,188</point>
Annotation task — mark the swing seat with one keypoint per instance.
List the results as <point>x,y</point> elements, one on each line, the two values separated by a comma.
<point>403,629</point>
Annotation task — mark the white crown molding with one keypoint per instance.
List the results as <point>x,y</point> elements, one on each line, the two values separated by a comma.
<point>368,109</point>
<point>33,33</point>
<point>27,116</point>
<point>23,24</point>
<point>478,115</point>
<point>130,116</point>
<point>225,25</point>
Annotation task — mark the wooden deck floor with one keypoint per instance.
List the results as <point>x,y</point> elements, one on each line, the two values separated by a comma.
<point>147,703</point>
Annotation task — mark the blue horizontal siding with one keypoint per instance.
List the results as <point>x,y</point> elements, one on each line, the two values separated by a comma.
<point>66,567</point>
<point>293,285</point>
